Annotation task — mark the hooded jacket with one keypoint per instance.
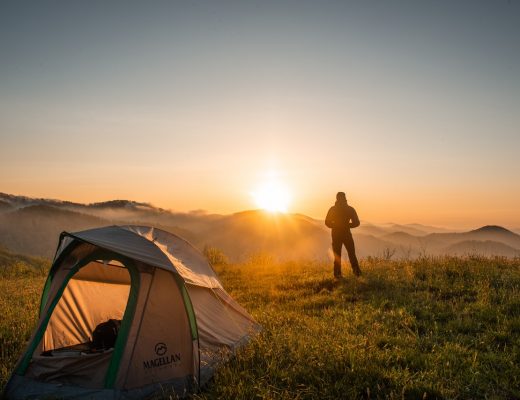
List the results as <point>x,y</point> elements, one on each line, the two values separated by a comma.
<point>341,218</point>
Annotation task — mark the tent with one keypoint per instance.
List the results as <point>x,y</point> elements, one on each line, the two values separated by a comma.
<point>177,323</point>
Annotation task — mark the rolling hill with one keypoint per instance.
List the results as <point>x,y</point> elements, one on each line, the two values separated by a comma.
<point>286,235</point>
<point>4,205</point>
<point>484,248</point>
<point>32,226</point>
<point>35,229</point>
<point>485,233</point>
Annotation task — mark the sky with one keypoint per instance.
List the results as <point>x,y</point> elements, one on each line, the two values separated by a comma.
<point>410,107</point>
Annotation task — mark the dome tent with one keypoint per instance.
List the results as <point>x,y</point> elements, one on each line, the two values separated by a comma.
<point>176,320</point>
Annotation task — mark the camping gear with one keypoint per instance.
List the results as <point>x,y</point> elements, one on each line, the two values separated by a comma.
<point>177,321</point>
<point>105,335</point>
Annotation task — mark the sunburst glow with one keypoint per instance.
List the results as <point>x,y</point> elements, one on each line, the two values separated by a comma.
<point>272,196</point>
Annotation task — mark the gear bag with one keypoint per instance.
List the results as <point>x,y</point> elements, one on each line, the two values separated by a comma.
<point>105,335</point>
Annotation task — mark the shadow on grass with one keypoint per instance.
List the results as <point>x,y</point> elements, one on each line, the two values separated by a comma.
<point>364,288</point>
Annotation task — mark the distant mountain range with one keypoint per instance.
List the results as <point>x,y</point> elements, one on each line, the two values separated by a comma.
<point>32,226</point>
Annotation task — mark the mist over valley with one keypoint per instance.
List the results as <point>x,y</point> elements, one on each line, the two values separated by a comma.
<point>32,226</point>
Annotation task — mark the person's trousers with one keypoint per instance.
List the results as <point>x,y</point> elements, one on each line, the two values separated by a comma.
<point>337,244</point>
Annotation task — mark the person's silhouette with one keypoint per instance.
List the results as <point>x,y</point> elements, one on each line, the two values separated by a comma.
<point>341,218</point>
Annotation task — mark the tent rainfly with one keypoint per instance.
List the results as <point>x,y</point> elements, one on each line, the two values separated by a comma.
<point>175,322</point>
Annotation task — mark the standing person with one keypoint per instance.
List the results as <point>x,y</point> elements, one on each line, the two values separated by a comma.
<point>341,218</point>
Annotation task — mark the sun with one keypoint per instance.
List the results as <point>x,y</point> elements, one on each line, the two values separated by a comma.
<point>272,196</point>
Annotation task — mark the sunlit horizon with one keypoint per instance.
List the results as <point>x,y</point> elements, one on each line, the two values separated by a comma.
<point>250,202</point>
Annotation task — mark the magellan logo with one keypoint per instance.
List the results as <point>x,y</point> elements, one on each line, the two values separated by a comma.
<point>164,359</point>
<point>161,349</point>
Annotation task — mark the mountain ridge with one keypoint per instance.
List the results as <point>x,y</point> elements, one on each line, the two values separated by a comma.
<point>493,228</point>
<point>32,226</point>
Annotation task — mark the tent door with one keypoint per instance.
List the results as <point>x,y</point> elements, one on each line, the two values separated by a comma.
<point>104,286</point>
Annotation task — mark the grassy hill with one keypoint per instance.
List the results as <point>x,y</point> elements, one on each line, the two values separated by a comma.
<point>426,328</point>
<point>21,282</point>
<point>17,265</point>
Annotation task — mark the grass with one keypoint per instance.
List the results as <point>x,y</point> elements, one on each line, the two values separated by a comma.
<point>429,328</point>
<point>21,282</point>
<point>426,328</point>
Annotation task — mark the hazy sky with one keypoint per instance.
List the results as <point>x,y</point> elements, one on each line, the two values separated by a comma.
<point>412,108</point>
